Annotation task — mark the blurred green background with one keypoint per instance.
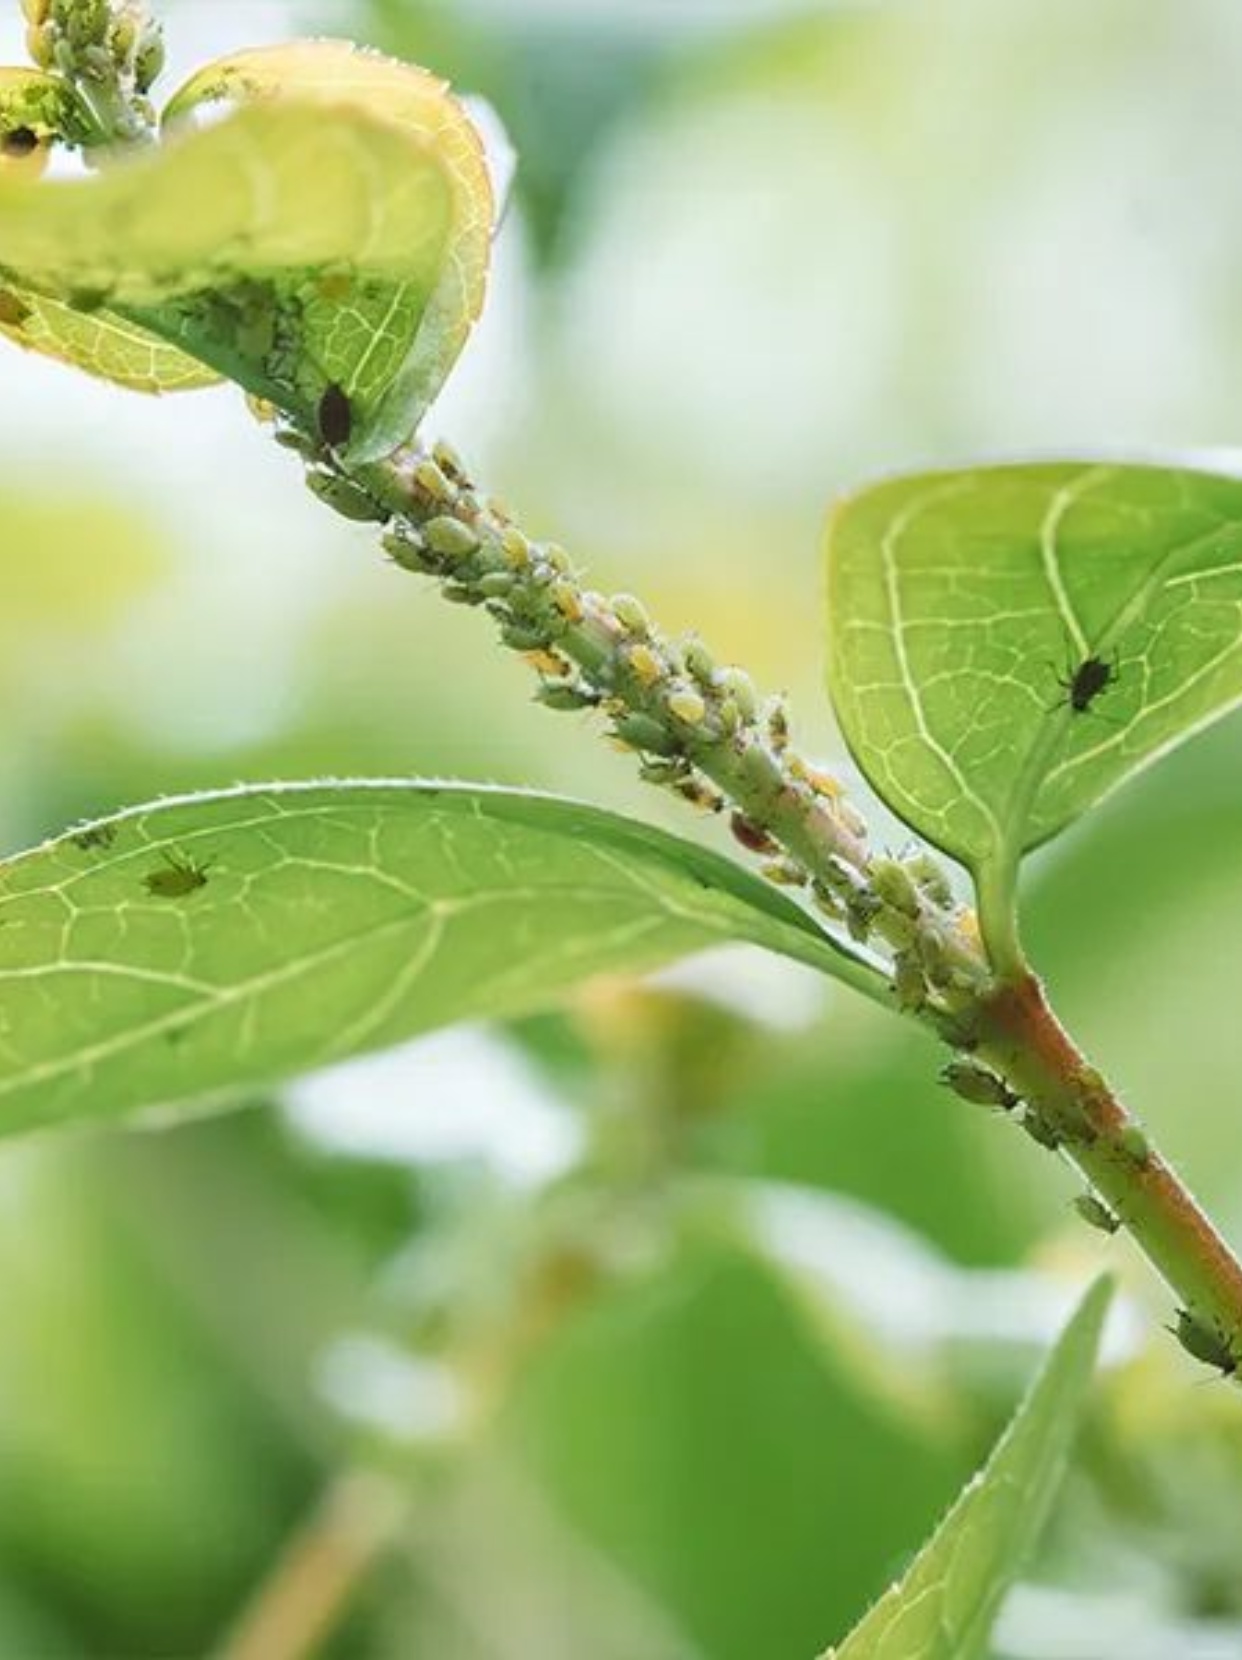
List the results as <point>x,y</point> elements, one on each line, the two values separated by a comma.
<point>665,1326</point>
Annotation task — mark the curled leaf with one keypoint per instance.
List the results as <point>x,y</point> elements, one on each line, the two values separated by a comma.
<point>341,223</point>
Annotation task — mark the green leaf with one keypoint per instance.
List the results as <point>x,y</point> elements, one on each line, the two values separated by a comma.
<point>944,1606</point>
<point>99,343</point>
<point>187,952</point>
<point>340,236</point>
<point>961,601</point>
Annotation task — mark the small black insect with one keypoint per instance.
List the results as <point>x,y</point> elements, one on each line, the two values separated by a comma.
<point>95,838</point>
<point>336,416</point>
<point>19,143</point>
<point>1086,682</point>
<point>180,877</point>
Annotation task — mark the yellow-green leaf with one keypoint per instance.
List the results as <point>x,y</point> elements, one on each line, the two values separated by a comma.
<point>945,1604</point>
<point>186,953</point>
<point>963,606</point>
<point>342,215</point>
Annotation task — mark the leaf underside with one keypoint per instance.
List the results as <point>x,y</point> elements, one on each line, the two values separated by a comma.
<point>183,954</point>
<point>340,236</point>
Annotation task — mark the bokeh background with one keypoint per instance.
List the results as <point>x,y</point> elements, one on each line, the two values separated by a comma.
<point>667,1324</point>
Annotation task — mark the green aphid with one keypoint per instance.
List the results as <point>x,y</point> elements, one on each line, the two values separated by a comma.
<point>908,983</point>
<point>407,549</point>
<point>642,733</point>
<point>568,699</point>
<point>656,771</point>
<point>631,614</point>
<point>894,887</point>
<point>450,538</point>
<point>1096,1214</point>
<point>496,584</point>
<point>179,877</point>
<point>737,684</point>
<point>1204,1342</point>
<point>522,638</point>
<point>977,1083</point>
<point>929,875</point>
<point>861,909</point>
<point>1040,1130</point>
<point>1134,1143</point>
<point>700,664</point>
<point>348,499</point>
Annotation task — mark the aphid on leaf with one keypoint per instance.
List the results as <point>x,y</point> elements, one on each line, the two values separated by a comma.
<point>1083,684</point>
<point>95,838</point>
<point>1095,1214</point>
<point>180,877</point>
<point>1204,1342</point>
<point>335,416</point>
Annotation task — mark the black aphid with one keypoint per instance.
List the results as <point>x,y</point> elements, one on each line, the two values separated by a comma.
<point>336,416</point>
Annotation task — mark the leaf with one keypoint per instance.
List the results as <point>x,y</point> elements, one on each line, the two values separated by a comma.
<point>99,343</point>
<point>183,953</point>
<point>959,601</point>
<point>944,1606</point>
<point>340,236</point>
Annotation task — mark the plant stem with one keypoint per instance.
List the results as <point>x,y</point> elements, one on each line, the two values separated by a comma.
<point>359,1517</point>
<point>1020,1035</point>
<point>702,734</point>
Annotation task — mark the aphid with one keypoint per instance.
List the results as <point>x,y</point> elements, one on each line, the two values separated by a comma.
<point>827,901</point>
<point>978,1084</point>
<point>861,908</point>
<point>687,706</point>
<point>515,548</point>
<point>13,310</point>
<point>737,684</point>
<point>700,664</point>
<point>753,837</point>
<point>931,878</point>
<point>430,482</point>
<point>699,793</point>
<point>908,982</point>
<point>348,499</point>
<point>1133,1141</point>
<point>631,614</point>
<point>1204,1342</point>
<point>1086,682</point>
<point>778,725</point>
<point>548,663</point>
<point>892,885</point>
<point>180,877</point>
<point>1095,1214</point>
<point>567,601</point>
<point>642,733</point>
<point>335,416</point>
<point>95,838</point>
<point>1040,1130</point>
<point>450,538</point>
<point>566,698</point>
<point>657,771</point>
<point>19,143</point>
<point>785,873</point>
<point>451,464</point>
<point>646,664</point>
<point>496,584</point>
